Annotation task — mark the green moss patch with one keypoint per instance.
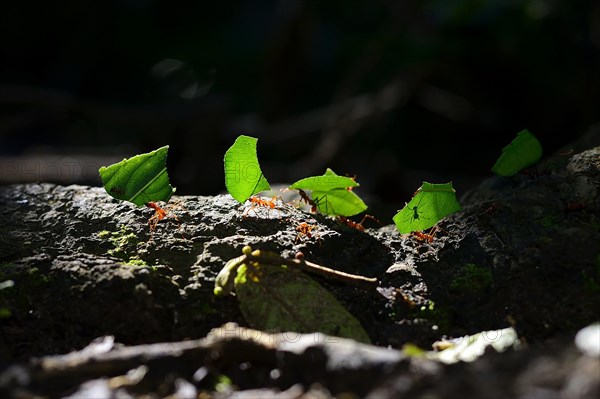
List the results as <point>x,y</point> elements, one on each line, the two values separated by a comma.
<point>472,279</point>
<point>124,246</point>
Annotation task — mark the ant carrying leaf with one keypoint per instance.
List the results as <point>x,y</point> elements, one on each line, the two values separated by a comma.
<point>139,179</point>
<point>308,201</point>
<point>142,180</point>
<point>430,203</point>
<point>331,194</point>
<point>243,176</point>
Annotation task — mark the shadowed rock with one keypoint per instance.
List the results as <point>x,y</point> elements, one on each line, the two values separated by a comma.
<point>523,252</point>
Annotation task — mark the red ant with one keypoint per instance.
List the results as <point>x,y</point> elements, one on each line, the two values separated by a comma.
<point>304,229</point>
<point>353,178</point>
<point>574,206</point>
<point>429,237</point>
<point>357,226</point>
<point>160,214</point>
<point>304,197</point>
<point>423,236</point>
<point>257,201</point>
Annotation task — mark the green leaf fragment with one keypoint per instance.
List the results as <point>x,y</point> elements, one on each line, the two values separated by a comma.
<point>431,203</point>
<point>523,151</point>
<point>274,298</point>
<point>330,192</point>
<point>329,181</point>
<point>139,179</point>
<point>339,202</point>
<point>243,176</point>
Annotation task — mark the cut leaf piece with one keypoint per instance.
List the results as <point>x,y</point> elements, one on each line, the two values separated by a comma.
<point>274,298</point>
<point>332,194</point>
<point>340,202</point>
<point>523,151</point>
<point>243,176</point>
<point>329,181</point>
<point>139,179</point>
<point>429,205</point>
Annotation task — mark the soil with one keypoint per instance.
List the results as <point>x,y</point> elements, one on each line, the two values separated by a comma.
<point>524,252</point>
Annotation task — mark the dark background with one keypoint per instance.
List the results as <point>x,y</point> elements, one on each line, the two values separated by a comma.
<point>395,92</point>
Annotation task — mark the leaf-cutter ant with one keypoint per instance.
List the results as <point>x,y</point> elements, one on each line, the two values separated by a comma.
<point>353,178</point>
<point>305,229</point>
<point>160,214</point>
<point>429,236</point>
<point>304,197</point>
<point>358,226</point>
<point>257,201</point>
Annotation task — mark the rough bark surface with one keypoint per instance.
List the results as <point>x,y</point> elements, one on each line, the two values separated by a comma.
<point>523,252</point>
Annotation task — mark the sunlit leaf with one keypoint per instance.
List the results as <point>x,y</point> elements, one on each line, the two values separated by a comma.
<point>333,194</point>
<point>329,181</point>
<point>139,179</point>
<point>274,298</point>
<point>523,151</point>
<point>243,176</point>
<point>430,204</point>
<point>340,202</point>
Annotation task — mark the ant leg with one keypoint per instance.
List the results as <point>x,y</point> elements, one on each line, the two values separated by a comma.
<point>433,231</point>
<point>152,222</point>
<point>317,203</point>
<point>174,216</point>
<point>371,217</point>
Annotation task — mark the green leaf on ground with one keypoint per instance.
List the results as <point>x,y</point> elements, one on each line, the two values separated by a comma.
<point>469,348</point>
<point>523,151</point>
<point>274,298</point>
<point>243,176</point>
<point>139,179</point>
<point>429,205</point>
<point>332,194</point>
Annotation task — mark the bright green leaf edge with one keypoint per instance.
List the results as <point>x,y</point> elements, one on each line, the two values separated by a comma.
<point>329,181</point>
<point>139,179</point>
<point>430,204</point>
<point>243,176</point>
<point>523,151</point>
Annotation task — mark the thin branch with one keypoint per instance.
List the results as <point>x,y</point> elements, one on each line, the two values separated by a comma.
<point>272,258</point>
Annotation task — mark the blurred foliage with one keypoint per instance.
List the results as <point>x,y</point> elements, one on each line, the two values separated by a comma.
<point>195,75</point>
